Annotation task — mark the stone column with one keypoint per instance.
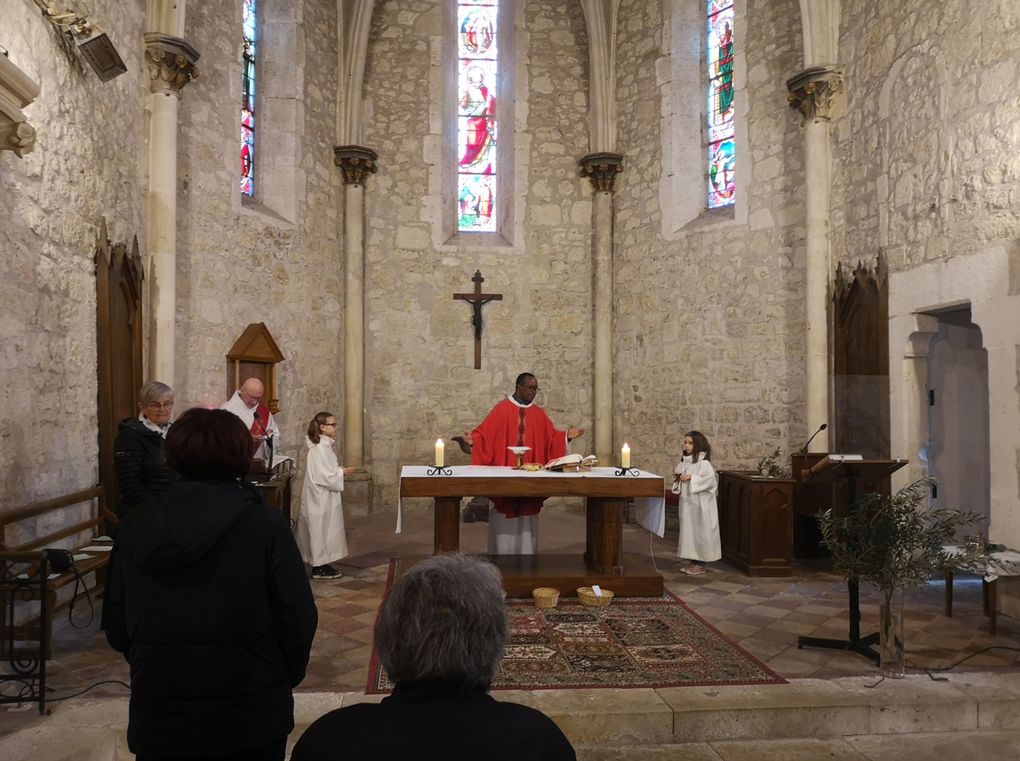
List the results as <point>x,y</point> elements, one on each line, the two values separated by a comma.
<point>817,94</point>
<point>908,403</point>
<point>355,163</point>
<point>601,169</point>
<point>171,62</point>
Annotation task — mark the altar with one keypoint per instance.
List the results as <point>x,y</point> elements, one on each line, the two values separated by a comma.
<point>606,496</point>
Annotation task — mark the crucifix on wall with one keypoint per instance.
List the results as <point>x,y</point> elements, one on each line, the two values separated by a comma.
<point>477,300</point>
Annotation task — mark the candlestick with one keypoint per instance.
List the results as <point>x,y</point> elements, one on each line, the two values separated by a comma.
<point>625,456</point>
<point>440,453</point>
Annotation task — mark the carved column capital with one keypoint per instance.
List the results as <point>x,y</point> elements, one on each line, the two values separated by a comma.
<point>356,162</point>
<point>17,90</point>
<point>171,62</point>
<point>601,169</point>
<point>817,93</point>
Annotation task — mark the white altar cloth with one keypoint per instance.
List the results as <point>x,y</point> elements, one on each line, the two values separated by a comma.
<point>650,512</point>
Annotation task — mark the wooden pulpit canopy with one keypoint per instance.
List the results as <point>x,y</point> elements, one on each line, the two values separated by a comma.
<point>255,355</point>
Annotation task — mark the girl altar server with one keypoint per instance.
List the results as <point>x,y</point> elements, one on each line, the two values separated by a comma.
<point>320,529</point>
<point>695,482</point>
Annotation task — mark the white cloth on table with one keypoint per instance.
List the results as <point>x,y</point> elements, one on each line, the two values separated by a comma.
<point>320,528</point>
<point>992,565</point>
<point>649,511</point>
<point>512,536</point>
<point>699,512</point>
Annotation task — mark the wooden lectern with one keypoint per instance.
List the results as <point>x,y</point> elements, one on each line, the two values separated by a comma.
<point>846,473</point>
<point>812,495</point>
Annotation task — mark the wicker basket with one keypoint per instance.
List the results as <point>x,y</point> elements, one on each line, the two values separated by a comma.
<point>545,597</point>
<point>589,598</point>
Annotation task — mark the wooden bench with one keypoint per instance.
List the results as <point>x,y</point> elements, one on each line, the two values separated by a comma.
<point>23,559</point>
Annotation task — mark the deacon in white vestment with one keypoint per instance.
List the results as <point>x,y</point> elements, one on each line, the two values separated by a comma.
<point>699,512</point>
<point>247,404</point>
<point>320,527</point>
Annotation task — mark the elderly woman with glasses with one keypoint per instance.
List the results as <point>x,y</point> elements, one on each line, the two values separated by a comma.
<point>138,452</point>
<point>320,528</point>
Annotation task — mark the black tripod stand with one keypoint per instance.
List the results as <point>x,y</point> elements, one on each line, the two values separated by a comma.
<point>873,470</point>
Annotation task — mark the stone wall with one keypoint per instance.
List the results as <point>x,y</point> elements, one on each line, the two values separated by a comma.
<point>244,263</point>
<point>88,163</point>
<point>710,323</point>
<point>926,160</point>
<point>927,170</point>
<point>420,383</point>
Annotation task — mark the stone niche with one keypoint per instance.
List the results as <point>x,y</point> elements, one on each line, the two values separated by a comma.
<point>17,91</point>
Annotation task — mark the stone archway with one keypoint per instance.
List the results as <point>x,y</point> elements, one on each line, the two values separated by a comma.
<point>916,296</point>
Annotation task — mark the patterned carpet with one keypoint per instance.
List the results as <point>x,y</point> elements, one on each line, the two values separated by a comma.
<point>635,642</point>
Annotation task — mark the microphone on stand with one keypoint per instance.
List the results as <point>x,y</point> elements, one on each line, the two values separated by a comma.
<point>822,427</point>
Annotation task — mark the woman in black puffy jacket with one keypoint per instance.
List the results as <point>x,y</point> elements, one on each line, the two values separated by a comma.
<point>208,600</point>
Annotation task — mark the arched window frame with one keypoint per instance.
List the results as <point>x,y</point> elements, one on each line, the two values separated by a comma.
<point>683,194</point>
<point>510,203</point>
<point>250,88</point>
<point>279,63</point>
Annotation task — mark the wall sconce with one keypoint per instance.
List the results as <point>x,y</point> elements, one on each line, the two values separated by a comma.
<point>93,43</point>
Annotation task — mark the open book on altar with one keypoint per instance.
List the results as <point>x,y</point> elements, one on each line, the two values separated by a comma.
<point>571,463</point>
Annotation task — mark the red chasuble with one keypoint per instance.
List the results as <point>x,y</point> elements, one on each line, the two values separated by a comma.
<point>258,427</point>
<point>514,425</point>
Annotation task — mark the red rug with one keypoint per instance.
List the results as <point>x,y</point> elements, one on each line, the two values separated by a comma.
<point>634,642</point>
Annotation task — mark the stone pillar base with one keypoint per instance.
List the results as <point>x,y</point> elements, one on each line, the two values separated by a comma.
<point>358,492</point>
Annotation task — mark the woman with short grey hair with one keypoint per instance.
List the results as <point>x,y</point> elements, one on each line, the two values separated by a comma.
<point>444,623</point>
<point>440,635</point>
<point>138,459</point>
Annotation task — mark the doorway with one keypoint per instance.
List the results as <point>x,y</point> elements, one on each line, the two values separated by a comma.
<point>958,450</point>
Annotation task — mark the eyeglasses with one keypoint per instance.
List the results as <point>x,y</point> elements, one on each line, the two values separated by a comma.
<point>331,425</point>
<point>160,405</point>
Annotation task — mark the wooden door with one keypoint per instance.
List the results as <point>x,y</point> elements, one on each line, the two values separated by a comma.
<point>861,361</point>
<point>119,347</point>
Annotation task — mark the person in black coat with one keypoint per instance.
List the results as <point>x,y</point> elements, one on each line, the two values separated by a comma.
<point>138,456</point>
<point>208,600</point>
<point>440,635</point>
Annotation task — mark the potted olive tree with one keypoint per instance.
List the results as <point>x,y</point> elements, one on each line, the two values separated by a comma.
<point>893,542</point>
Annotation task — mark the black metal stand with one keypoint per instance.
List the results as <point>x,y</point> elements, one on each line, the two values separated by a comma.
<point>439,470</point>
<point>627,472</point>
<point>854,642</point>
<point>23,582</point>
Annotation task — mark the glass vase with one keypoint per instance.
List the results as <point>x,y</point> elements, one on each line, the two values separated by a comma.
<point>890,630</point>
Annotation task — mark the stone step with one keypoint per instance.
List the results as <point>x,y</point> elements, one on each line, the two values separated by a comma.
<point>945,746</point>
<point>804,708</point>
<point>964,716</point>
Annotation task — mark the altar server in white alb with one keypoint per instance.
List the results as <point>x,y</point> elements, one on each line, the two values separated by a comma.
<point>695,482</point>
<point>320,528</point>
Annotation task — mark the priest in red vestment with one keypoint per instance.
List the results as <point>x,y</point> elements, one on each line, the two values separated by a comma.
<point>514,422</point>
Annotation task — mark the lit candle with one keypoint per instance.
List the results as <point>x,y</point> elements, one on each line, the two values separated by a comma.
<point>440,453</point>
<point>625,456</point>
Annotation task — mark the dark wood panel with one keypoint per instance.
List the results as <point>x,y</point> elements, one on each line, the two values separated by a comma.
<point>756,523</point>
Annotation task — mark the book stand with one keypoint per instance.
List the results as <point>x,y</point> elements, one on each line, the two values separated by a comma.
<point>847,474</point>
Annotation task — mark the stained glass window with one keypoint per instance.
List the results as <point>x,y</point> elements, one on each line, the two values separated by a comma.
<point>476,115</point>
<point>721,149</point>
<point>249,24</point>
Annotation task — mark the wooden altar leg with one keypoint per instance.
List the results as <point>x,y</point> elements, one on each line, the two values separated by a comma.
<point>447,525</point>
<point>988,594</point>
<point>604,532</point>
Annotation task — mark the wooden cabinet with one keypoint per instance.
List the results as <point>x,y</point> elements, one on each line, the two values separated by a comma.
<point>756,523</point>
